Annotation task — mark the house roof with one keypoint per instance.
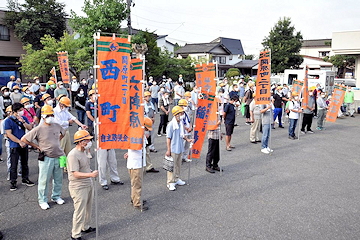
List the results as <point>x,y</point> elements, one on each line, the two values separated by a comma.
<point>161,36</point>
<point>199,48</point>
<point>316,43</point>
<point>246,64</point>
<point>234,45</point>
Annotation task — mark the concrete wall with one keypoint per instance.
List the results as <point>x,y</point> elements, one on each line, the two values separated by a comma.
<point>314,51</point>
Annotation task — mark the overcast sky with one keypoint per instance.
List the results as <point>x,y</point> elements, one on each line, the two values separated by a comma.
<point>198,21</point>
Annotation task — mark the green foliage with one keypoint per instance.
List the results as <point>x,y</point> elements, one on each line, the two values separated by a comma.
<point>285,46</point>
<point>342,62</point>
<point>103,15</point>
<point>34,19</point>
<point>174,67</point>
<point>249,57</point>
<point>40,62</point>
<point>232,72</point>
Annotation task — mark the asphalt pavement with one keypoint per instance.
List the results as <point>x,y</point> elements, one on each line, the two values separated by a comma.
<point>306,189</point>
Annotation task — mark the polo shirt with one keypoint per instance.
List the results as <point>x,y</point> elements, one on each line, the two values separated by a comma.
<point>230,113</point>
<point>177,143</point>
<point>16,130</point>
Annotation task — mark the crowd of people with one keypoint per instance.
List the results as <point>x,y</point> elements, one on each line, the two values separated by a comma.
<point>37,117</point>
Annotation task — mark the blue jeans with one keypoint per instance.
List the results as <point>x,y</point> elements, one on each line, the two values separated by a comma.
<point>81,116</point>
<point>278,113</point>
<point>48,167</point>
<point>176,101</point>
<point>265,136</point>
<point>155,102</point>
<point>292,127</point>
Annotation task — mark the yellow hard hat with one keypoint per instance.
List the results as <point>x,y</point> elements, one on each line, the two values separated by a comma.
<point>60,96</point>
<point>66,101</point>
<point>295,93</point>
<point>47,110</point>
<point>182,102</point>
<point>12,77</point>
<point>147,93</point>
<point>45,96</point>
<point>24,100</point>
<point>8,109</point>
<point>279,88</point>
<point>148,123</point>
<point>24,89</point>
<point>81,135</point>
<point>91,92</point>
<point>176,110</point>
<point>251,84</point>
<point>50,83</point>
<point>187,94</point>
<point>16,87</point>
<point>73,77</point>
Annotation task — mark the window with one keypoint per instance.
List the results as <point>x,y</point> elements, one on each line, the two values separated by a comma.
<point>324,54</point>
<point>4,33</point>
<point>230,57</point>
<point>222,60</point>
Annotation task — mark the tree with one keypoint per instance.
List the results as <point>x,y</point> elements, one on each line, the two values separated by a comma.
<point>232,72</point>
<point>174,67</point>
<point>35,19</point>
<point>103,15</point>
<point>285,46</point>
<point>40,62</point>
<point>341,62</point>
<point>249,57</point>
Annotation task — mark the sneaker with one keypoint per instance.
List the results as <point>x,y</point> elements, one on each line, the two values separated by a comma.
<point>281,126</point>
<point>105,187</point>
<point>171,186</point>
<point>144,208</point>
<point>117,183</point>
<point>89,230</point>
<point>187,160</point>
<point>310,131</point>
<point>302,132</point>
<point>318,128</point>
<point>159,135</point>
<point>295,137</point>
<point>264,150</point>
<point>291,137</point>
<point>44,206</point>
<point>28,183</point>
<point>209,170</point>
<point>59,201</point>
<point>269,150</point>
<point>13,187</point>
<point>352,116</point>
<point>247,123</point>
<point>180,182</point>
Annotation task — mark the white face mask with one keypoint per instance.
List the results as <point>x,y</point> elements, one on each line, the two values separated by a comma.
<point>21,113</point>
<point>162,90</point>
<point>29,106</point>
<point>16,91</point>
<point>61,86</point>
<point>88,145</point>
<point>94,97</point>
<point>51,86</point>
<point>84,82</point>
<point>185,108</point>
<point>74,81</point>
<point>6,94</point>
<point>42,93</point>
<point>50,102</point>
<point>49,120</point>
<point>37,81</point>
<point>323,96</point>
<point>296,98</point>
<point>310,93</point>
<point>27,92</point>
<point>182,117</point>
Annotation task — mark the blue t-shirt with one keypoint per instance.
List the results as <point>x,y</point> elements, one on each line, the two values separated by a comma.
<point>177,143</point>
<point>16,130</point>
<point>89,106</point>
<point>230,113</point>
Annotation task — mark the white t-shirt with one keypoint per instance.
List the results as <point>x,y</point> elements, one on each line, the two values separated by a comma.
<point>294,105</point>
<point>134,159</point>
<point>74,86</point>
<point>179,90</point>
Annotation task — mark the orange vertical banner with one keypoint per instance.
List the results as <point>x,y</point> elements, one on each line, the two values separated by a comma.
<point>213,117</point>
<point>64,66</point>
<point>297,86</point>
<point>53,74</point>
<point>305,92</point>
<point>205,77</point>
<point>120,96</point>
<point>263,79</point>
<point>201,121</point>
<point>336,101</point>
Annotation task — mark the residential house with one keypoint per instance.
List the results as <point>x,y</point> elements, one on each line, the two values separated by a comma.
<point>319,48</point>
<point>226,51</point>
<point>165,44</point>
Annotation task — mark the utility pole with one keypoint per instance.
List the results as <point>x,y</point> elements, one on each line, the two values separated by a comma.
<point>129,17</point>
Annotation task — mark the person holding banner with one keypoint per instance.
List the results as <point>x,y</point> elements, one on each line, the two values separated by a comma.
<point>247,100</point>
<point>308,114</point>
<point>277,100</point>
<point>295,109</point>
<point>255,116</point>
<point>134,164</point>
<point>266,121</point>
<point>322,110</point>
<point>213,154</point>
<point>229,120</point>
<point>81,186</point>
<point>175,146</point>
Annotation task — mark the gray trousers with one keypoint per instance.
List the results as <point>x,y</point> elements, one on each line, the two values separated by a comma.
<point>321,116</point>
<point>107,158</point>
<point>350,109</point>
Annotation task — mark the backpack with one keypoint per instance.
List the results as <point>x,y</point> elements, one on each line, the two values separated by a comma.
<point>287,107</point>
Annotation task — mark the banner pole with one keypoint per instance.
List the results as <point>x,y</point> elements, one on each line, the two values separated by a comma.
<point>219,116</point>
<point>272,120</point>
<point>142,57</point>
<point>96,132</point>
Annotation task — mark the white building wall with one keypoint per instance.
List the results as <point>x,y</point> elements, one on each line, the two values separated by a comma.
<point>314,52</point>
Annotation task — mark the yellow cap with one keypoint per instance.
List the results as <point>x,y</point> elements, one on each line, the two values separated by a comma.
<point>45,96</point>
<point>47,110</point>
<point>147,93</point>
<point>24,100</point>
<point>176,110</point>
<point>66,101</point>
<point>81,135</point>
<point>50,83</point>
<point>148,123</point>
<point>187,94</point>
<point>182,102</point>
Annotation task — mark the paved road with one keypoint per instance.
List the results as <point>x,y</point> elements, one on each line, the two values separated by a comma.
<point>307,189</point>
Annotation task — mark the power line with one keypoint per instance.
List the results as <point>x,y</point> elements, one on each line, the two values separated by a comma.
<point>156,21</point>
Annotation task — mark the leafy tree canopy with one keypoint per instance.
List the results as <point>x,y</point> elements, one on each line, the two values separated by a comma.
<point>285,46</point>
<point>341,62</point>
<point>232,72</point>
<point>34,19</point>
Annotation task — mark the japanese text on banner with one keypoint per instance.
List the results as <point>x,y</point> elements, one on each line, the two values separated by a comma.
<point>64,66</point>
<point>205,77</point>
<point>263,79</point>
<point>213,117</point>
<point>120,115</point>
<point>201,121</point>
<point>336,101</point>
<point>305,93</point>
